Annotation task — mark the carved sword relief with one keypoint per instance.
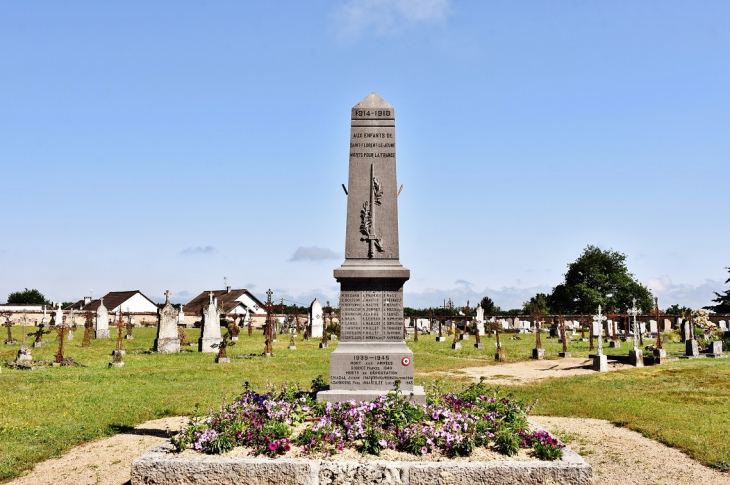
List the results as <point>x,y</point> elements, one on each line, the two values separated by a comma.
<point>366,215</point>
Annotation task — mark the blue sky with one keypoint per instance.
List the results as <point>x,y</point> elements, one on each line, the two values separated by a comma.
<point>167,145</point>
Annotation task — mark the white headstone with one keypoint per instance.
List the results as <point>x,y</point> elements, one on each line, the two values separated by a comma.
<point>58,316</point>
<point>652,326</point>
<point>167,341</point>
<point>211,333</point>
<point>316,319</point>
<point>480,320</point>
<point>102,321</point>
<point>181,316</point>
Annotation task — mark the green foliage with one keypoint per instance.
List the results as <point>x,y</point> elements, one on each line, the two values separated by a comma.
<point>507,441</point>
<point>27,297</point>
<point>594,276</point>
<point>541,300</point>
<point>722,300</point>
<point>678,310</point>
<point>547,451</point>
<point>489,307</point>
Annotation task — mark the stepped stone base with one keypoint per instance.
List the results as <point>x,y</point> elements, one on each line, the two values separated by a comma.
<point>206,344</point>
<point>167,345</point>
<point>600,363</point>
<point>339,395</point>
<point>636,358</point>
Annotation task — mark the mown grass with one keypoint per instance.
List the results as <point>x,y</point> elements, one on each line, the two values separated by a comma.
<point>46,411</point>
<point>683,404</point>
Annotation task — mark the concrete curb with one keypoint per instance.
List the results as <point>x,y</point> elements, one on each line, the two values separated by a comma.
<point>161,466</point>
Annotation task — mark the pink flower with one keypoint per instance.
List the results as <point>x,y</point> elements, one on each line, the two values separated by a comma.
<point>273,446</point>
<point>424,450</point>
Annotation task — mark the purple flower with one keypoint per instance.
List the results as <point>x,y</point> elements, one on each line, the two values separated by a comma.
<point>424,450</point>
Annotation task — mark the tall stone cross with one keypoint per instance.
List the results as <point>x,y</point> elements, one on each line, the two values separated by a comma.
<point>167,296</point>
<point>371,355</point>
<point>633,311</point>
<point>598,321</point>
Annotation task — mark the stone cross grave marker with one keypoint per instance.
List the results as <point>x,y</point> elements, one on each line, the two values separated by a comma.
<point>102,321</point>
<point>167,341</point>
<point>372,354</point>
<point>211,333</point>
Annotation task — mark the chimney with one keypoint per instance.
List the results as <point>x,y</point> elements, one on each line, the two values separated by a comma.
<point>228,289</point>
<point>87,300</point>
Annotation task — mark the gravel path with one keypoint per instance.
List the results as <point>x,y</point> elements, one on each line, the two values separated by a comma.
<point>618,456</point>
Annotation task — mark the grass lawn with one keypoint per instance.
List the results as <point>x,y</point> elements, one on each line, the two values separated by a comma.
<point>46,411</point>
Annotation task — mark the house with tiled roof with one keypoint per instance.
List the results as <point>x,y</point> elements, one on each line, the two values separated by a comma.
<point>232,302</point>
<point>134,302</point>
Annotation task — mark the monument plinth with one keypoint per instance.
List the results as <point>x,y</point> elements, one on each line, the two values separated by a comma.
<point>371,354</point>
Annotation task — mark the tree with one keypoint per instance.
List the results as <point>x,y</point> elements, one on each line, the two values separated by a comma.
<point>678,310</point>
<point>27,297</point>
<point>599,277</point>
<point>489,307</point>
<point>722,300</point>
<point>541,300</point>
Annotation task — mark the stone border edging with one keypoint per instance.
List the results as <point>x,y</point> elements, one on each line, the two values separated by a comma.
<point>160,466</point>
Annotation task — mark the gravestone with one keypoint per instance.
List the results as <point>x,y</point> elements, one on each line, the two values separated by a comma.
<point>652,326</point>
<point>666,325</point>
<point>167,341</point>
<point>480,320</point>
<point>316,318</point>
<point>210,336</point>
<point>372,354</point>
<point>685,331</point>
<point>715,348</point>
<point>57,318</point>
<point>102,321</point>
<point>181,317</point>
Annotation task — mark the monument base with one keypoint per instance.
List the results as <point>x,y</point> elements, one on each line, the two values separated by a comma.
<point>479,346</point>
<point>615,344</point>
<point>636,358</point>
<point>565,355</point>
<point>38,345</point>
<point>222,360</point>
<point>661,353</point>
<point>129,337</point>
<point>167,345</point>
<point>116,364</point>
<point>691,348</point>
<point>600,363</point>
<point>538,354</point>
<point>206,344</point>
<point>121,352</point>
<point>24,355</point>
<point>500,357</point>
<point>464,336</point>
<point>323,345</point>
<point>456,346</point>
<point>102,333</point>
<point>292,347</point>
<point>440,339</point>
<point>417,395</point>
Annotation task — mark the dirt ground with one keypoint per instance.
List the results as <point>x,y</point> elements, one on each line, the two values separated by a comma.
<point>529,371</point>
<point>617,455</point>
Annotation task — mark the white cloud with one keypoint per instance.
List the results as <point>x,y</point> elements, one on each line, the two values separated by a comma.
<point>313,253</point>
<point>385,17</point>
<point>462,283</point>
<point>198,250</point>
<point>693,296</point>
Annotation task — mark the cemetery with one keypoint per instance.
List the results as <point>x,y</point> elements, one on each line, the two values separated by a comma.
<point>354,392</point>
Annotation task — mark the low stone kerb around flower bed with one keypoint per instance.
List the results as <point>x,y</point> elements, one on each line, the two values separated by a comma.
<point>161,466</point>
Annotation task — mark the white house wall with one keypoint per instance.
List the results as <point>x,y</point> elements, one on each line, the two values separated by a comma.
<point>136,304</point>
<point>251,304</point>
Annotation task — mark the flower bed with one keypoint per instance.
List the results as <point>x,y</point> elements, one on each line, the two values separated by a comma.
<point>452,424</point>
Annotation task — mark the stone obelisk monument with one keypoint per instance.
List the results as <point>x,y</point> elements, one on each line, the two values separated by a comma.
<point>371,355</point>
